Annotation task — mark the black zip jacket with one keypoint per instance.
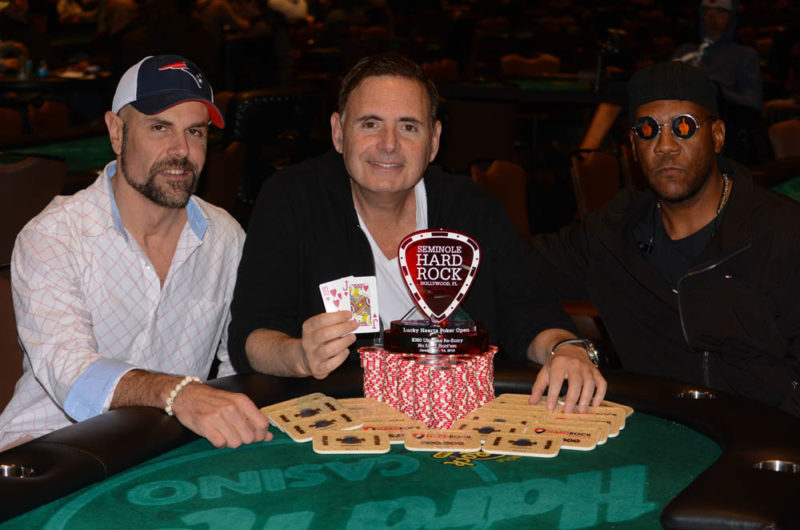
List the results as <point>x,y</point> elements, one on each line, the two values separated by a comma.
<point>734,322</point>
<point>304,231</point>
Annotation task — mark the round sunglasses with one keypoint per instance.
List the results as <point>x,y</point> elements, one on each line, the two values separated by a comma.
<point>683,126</point>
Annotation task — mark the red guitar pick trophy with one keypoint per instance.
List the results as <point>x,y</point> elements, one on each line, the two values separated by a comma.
<point>436,370</point>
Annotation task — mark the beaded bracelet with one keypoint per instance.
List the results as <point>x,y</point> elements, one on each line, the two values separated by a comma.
<point>177,390</point>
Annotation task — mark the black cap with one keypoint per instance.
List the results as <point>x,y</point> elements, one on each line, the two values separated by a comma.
<point>672,80</point>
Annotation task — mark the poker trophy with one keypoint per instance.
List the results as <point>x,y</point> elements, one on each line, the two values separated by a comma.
<point>440,369</point>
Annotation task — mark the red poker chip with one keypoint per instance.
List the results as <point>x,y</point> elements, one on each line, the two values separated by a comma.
<point>391,365</point>
<point>406,386</point>
<point>443,413</point>
<point>460,391</point>
<point>422,381</point>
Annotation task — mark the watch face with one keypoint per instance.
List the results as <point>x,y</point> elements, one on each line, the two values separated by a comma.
<point>591,351</point>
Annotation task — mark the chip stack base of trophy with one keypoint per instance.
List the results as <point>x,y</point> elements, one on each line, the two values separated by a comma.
<point>436,389</point>
<point>439,369</point>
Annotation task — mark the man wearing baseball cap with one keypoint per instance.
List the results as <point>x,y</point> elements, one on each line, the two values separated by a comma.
<point>696,278</point>
<point>121,291</point>
<point>736,70</point>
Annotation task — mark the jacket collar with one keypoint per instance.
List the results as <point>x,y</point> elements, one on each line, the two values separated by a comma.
<point>619,221</point>
<point>734,233</point>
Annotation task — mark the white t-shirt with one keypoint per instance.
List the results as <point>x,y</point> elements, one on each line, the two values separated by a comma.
<point>393,296</point>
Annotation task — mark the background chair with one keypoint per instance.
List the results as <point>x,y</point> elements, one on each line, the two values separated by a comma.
<point>514,65</point>
<point>10,124</point>
<point>784,137</point>
<point>26,187</point>
<point>222,174</point>
<point>632,176</point>
<point>476,130</point>
<point>441,71</point>
<point>275,125</point>
<point>49,118</point>
<point>10,352</point>
<point>508,182</point>
<point>595,179</point>
<point>222,100</point>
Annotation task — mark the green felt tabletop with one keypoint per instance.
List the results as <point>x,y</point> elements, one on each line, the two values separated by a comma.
<point>283,485</point>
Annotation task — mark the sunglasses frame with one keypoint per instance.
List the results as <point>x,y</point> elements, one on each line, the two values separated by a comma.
<point>697,123</point>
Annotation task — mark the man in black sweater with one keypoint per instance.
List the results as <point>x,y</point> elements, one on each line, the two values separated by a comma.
<point>346,212</point>
<point>696,279</point>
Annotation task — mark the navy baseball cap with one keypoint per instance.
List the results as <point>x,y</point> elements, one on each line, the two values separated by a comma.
<point>159,82</point>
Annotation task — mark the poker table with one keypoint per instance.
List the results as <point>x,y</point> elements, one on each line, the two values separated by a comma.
<point>85,150</point>
<point>687,458</point>
<point>87,153</point>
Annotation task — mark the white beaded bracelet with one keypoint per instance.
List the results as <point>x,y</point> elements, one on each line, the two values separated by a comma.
<point>177,390</point>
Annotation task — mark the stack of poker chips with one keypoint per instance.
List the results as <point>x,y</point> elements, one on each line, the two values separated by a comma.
<point>436,389</point>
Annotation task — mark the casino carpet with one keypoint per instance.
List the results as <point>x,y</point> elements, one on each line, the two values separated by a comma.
<point>283,485</point>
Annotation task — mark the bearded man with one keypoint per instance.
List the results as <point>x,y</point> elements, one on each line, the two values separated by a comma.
<point>122,291</point>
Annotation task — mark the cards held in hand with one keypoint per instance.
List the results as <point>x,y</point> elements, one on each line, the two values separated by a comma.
<point>358,294</point>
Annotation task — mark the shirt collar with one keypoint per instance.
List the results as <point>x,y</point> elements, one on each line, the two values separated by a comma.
<point>197,221</point>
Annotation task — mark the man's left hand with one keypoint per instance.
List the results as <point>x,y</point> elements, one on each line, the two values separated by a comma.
<point>571,363</point>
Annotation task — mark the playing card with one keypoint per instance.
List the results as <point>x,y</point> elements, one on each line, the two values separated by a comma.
<point>335,295</point>
<point>512,399</point>
<point>442,440</point>
<point>628,410</point>
<point>304,430</point>
<point>492,416</point>
<point>523,445</point>
<point>396,430</point>
<point>603,427</point>
<point>353,442</point>
<point>364,303</point>
<point>583,437</point>
<point>372,409</point>
<point>304,410</point>
<point>614,416</point>
<point>484,429</point>
<point>294,402</point>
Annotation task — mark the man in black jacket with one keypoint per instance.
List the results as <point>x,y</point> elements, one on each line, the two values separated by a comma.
<point>346,212</point>
<point>696,278</point>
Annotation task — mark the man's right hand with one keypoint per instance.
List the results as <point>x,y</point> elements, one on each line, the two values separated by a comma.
<point>226,419</point>
<point>325,342</point>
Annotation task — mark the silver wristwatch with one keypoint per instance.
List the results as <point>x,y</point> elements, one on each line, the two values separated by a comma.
<point>591,351</point>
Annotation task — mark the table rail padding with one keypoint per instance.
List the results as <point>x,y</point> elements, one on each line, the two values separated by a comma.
<point>731,493</point>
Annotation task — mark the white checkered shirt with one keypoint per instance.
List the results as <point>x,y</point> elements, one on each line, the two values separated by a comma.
<point>84,291</point>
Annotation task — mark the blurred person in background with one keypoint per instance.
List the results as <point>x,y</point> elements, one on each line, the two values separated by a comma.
<point>736,71</point>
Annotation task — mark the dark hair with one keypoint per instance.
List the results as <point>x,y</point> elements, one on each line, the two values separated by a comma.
<point>387,64</point>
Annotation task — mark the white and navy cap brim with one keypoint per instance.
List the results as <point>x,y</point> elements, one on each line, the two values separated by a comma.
<point>159,82</point>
